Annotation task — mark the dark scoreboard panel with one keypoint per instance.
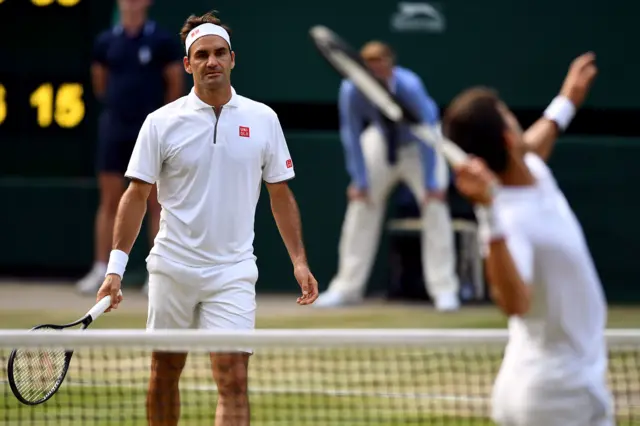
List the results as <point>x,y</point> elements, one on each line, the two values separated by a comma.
<point>47,111</point>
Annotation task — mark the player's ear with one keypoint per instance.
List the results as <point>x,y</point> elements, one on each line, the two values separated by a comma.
<point>233,59</point>
<point>187,65</point>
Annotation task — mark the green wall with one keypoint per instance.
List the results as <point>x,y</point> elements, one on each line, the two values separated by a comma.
<point>49,223</point>
<point>522,48</point>
<point>598,176</point>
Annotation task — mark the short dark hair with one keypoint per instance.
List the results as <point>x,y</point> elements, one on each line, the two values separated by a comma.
<point>474,122</point>
<point>195,21</point>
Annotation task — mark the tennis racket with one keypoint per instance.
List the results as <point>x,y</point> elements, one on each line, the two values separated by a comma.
<point>35,375</point>
<point>348,64</point>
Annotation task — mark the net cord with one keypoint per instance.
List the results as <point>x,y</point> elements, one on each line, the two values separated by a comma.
<point>208,340</point>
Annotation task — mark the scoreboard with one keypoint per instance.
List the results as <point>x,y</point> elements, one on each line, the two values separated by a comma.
<point>47,111</point>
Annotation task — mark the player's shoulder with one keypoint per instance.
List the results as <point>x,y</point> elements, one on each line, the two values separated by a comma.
<point>255,108</point>
<point>519,200</point>
<point>537,166</point>
<point>170,108</point>
<point>169,112</point>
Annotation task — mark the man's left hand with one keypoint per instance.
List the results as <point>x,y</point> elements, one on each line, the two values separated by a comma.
<point>308,283</point>
<point>577,83</point>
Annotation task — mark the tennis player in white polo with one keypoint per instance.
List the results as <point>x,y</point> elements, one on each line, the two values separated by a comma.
<point>209,153</point>
<point>539,266</point>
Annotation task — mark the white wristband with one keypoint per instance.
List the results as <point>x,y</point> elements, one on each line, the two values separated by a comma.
<point>117,263</point>
<point>561,110</point>
<point>489,225</point>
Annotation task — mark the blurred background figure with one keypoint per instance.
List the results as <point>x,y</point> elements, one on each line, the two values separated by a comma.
<point>136,68</point>
<point>378,157</point>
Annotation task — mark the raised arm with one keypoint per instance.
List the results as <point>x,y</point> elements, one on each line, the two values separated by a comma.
<point>277,171</point>
<point>351,127</point>
<point>144,169</point>
<point>542,135</point>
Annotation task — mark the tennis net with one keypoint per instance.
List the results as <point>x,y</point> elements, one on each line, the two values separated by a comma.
<point>296,377</point>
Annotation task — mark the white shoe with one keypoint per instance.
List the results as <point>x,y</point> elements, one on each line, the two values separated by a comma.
<point>332,299</point>
<point>447,302</point>
<point>92,281</point>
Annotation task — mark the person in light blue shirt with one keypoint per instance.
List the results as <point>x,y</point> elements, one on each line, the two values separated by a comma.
<point>379,154</point>
<point>355,110</point>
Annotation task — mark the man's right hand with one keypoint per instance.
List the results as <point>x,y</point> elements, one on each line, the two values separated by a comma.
<point>111,287</point>
<point>579,79</point>
<point>475,181</point>
<point>356,194</point>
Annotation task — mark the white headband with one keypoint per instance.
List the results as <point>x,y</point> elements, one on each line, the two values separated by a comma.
<point>205,30</point>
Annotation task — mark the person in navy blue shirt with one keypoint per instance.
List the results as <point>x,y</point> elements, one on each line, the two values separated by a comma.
<point>136,69</point>
<point>378,157</point>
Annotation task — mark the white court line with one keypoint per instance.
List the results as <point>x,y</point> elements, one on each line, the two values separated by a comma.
<point>305,391</point>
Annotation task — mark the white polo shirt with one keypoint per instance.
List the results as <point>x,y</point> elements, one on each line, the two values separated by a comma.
<point>560,342</point>
<point>209,173</point>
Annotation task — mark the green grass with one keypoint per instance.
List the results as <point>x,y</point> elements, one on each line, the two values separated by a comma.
<point>199,408</point>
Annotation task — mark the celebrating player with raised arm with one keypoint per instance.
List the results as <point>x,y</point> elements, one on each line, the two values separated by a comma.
<point>209,153</point>
<point>539,266</point>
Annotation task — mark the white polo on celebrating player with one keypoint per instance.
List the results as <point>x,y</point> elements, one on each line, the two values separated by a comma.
<point>555,365</point>
<point>209,172</point>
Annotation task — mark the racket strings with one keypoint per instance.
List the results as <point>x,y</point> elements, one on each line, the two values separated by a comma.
<point>37,372</point>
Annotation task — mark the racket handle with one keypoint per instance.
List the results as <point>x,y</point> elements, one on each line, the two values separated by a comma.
<point>99,308</point>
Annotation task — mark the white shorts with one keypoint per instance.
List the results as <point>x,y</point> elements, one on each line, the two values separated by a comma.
<point>219,297</point>
<point>517,404</point>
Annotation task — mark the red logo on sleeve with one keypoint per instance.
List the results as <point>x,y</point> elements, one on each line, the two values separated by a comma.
<point>289,164</point>
<point>244,132</point>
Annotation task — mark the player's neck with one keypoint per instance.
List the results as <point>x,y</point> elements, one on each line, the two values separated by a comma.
<point>517,175</point>
<point>214,97</point>
<point>133,23</point>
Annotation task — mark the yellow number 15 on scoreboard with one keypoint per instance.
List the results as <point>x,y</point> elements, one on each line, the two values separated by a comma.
<point>43,3</point>
<point>64,105</point>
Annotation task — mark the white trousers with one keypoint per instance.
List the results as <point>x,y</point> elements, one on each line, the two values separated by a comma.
<point>363,221</point>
